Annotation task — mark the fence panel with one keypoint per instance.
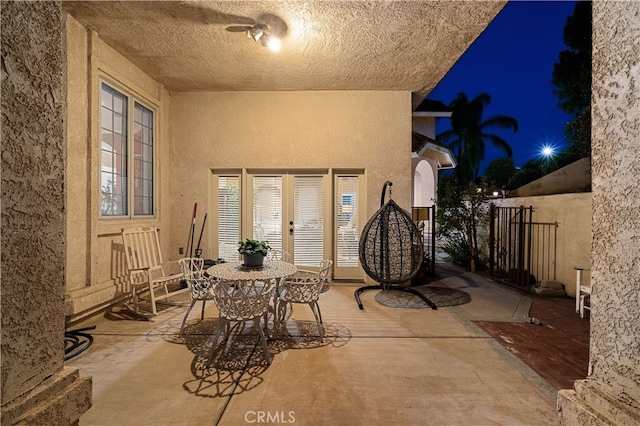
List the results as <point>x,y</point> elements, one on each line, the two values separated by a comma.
<point>522,252</point>
<point>425,218</point>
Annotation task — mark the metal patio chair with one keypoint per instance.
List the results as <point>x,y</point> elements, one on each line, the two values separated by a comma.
<point>242,302</point>
<point>200,287</point>
<point>303,287</point>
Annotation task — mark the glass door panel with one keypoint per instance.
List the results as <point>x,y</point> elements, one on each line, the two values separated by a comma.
<point>308,224</point>
<point>267,210</point>
<point>348,212</point>
<point>228,223</point>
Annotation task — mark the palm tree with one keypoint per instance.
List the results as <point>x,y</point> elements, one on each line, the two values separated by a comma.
<point>467,136</point>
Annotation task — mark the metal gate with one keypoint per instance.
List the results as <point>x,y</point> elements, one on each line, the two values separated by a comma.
<point>522,252</point>
<point>425,218</point>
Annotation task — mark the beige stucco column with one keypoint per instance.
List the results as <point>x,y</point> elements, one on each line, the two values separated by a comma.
<point>611,393</point>
<point>36,387</point>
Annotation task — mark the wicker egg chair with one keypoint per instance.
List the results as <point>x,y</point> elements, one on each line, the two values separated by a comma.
<point>390,249</point>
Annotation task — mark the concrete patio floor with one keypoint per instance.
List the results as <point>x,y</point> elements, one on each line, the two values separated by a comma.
<point>378,366</point>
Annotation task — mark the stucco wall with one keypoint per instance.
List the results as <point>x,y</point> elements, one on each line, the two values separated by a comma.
<point>575,177</point>
<point>425,182</point>
<point>95,269</point>
<point>281,130</point>
<point>573,214</point>
<point>78,165</point>
<point>200,131</point>
<point>615,332</point>
<point>32,197</point>
<point>425,126</point>
<point>35,386</point>
<point>611,393</point>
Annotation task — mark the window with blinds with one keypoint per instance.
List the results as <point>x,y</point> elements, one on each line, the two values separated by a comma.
<point>126,155</point>
<point>142,160</point>
<point>347,221</point>
<point>308,220</point>
<point>228,216</point>
<point>114,155</point>
<point>267,210</point>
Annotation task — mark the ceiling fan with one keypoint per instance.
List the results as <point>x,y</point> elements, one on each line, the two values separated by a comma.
<point>268,30</point>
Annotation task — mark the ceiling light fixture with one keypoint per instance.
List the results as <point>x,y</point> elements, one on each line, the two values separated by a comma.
<point>262,33</point>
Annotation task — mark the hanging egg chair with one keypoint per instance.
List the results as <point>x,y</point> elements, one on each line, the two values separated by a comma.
<point>390,249</point>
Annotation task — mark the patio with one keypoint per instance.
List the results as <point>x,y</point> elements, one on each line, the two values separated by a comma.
<point>382,365</point>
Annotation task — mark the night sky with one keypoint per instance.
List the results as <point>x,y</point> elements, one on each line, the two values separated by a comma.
<point>512,61</point>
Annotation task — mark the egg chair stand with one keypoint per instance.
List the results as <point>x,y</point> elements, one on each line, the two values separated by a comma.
<point>390,250</point>
<point>361,290</point>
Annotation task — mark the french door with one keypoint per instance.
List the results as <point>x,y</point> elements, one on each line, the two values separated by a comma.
<point>312,216</point>
<point>289,210</point>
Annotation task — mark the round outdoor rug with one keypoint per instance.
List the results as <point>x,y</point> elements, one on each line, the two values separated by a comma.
<point>440,296</point>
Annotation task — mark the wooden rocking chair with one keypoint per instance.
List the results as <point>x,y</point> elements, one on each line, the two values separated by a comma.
<point>144,262</point>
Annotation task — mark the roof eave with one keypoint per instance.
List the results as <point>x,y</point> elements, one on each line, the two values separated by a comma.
<point>441,155</point>
<point>436,114</point>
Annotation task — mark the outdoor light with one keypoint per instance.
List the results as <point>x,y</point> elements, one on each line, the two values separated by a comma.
<point>257,31</point>
<point>262,33</point>
<point>274,44</point>
<point>547,151</point>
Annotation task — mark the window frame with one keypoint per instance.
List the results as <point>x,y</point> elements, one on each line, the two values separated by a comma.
<point>132,99</point>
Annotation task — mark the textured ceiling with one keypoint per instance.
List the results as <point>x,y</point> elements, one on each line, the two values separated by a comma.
<point>326,45</point>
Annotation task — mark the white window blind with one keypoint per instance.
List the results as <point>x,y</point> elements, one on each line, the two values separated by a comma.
<point>228,217</point>
<point>348,221</point>
<point>267,210</point>
<point>308,220</point>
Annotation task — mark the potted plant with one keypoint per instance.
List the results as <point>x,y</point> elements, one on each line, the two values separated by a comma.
<point>253,251</point>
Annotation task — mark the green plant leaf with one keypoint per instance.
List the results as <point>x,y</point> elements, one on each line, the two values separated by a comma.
<point>250,246</point>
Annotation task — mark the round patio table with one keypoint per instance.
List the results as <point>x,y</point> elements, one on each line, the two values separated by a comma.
<point>271,270</point>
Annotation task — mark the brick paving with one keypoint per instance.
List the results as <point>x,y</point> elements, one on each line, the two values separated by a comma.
<point>558,349</point>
